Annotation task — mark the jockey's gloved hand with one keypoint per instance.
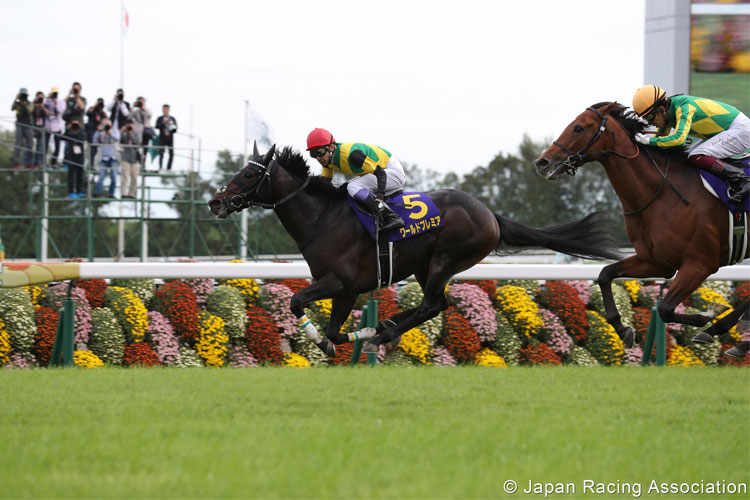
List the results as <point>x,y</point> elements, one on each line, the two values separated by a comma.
<point>642,138</point>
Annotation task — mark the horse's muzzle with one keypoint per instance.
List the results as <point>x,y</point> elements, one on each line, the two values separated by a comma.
<point>218,208</point>
<point>548,169</point>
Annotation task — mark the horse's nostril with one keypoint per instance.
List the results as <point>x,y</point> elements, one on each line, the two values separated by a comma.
<point>541,162</point>
<point>213,203</point>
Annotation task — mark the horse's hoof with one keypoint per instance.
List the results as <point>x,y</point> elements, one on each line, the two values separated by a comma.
<point>628,337</point>
<point>738,351</point>
<point>393,344</point>
<point>370,348</point>
<point>703,338</point>
<point>328,348</point>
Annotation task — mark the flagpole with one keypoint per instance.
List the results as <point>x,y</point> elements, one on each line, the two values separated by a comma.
<point>122,44</point>
<point>243,214</point>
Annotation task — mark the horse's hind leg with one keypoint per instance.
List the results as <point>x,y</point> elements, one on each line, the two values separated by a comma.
<point>433,302</point>
<point>632,267</point>
<point>722,325</point>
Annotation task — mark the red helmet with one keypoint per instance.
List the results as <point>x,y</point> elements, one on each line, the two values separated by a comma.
<point>319,137</point>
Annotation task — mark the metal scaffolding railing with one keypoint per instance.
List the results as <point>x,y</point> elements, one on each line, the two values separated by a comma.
<point>163,198</point>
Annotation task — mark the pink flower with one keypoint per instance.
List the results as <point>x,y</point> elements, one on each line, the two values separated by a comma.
<point>476,306</point>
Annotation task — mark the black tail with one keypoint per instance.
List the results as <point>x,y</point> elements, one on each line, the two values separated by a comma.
<point>588,238</point>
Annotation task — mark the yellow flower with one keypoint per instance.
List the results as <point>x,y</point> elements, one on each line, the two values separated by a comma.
<point>632,287</point>
<point>683,356</point>
<point>416,344</point>
<point>132,309</point>
<point>709,295</point>
<point>4,343</point>
<point>212,344</point>
<point>519,310</point>
<point>488,357</point>
<point>87,359</point>
<point>295,360</point>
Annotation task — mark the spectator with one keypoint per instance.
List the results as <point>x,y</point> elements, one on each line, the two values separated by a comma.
<point>55,125</point>
<point>142,121</point>
<point>95,117</point>
<point>130,142</point>
<point>74,139</point>
<point>108,162</point>
<point>118,110</point>
<point>167,127</point>
<point>75,105</point>
<point>39,118</point>
<point>24,136</point>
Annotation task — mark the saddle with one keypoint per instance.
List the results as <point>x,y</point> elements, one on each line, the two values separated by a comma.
<point>420,216</point>
<point>738,223</point>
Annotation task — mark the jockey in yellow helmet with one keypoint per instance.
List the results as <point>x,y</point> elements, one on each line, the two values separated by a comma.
<point>724,128</point>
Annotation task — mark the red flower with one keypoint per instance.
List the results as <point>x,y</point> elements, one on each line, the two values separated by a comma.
<point>641,320</point>
<point>46,330</point>
<point>741,293</point>
<point>177,302</point>
<point>460,338</point>
<point>344,355</point>
<point>732,361</point>
<point>539,354</point>
<point>94,291</point>
<point>387,303</point>
<point>563,300</point>
<point>140,354</point>
<point>263,336</point>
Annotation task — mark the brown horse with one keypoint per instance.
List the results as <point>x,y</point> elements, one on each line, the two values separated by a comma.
<point>342,255</point>
<point>673,222</point>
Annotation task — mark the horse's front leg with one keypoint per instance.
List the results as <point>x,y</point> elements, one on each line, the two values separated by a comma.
<point>325,288</point>
<point>632,267</point>
<point>689,278</point>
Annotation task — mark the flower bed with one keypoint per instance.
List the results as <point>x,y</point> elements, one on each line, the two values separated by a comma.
<point>247,323</point>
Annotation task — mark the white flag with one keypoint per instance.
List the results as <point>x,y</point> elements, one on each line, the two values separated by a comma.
<point>257,129</point>
<point>125,19</point>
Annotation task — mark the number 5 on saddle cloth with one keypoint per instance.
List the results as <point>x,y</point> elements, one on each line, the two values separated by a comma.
<point>420,216</point>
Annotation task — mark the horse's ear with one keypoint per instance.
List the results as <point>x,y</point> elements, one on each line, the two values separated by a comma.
<point>609,107</point>
<point>269,155</point>
<point>256,153</point>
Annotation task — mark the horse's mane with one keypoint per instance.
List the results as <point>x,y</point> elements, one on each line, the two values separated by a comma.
<point>293,162</point>
<point>634,125</point>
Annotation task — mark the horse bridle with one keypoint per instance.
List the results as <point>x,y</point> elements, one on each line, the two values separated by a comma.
<point>244,199</point>
<point>575,160</point>
<point>581,155</point>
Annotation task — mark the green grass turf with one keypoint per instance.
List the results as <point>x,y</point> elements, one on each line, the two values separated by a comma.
<point>384,432</point>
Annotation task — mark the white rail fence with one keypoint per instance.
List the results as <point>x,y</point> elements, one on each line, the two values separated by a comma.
<point>13,274</point>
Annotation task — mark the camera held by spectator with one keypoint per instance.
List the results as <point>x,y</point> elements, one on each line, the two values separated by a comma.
<point>75,125</point>
<point>120,95</point>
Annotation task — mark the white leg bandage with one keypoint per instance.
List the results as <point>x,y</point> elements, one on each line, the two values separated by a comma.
<point>312,332</point>
<point>363,334</point>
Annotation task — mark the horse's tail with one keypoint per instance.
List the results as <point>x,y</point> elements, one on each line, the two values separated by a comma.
<point>588,238</point>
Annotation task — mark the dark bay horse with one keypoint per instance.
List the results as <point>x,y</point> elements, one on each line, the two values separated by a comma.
<point>673,222</point>
<point>342,255</point>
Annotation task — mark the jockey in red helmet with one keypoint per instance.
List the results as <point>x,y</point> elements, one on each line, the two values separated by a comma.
<point>378,172</point>
<point>726,131</point>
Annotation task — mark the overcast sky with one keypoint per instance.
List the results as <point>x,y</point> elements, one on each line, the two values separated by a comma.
<point>445,85</point>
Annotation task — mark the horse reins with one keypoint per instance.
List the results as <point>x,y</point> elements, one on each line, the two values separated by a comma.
<point>241,200</point>
<point>581,155</point>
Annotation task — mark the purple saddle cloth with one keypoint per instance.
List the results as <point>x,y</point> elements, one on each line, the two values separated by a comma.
<point>720,188</point>
<point>418,211</point>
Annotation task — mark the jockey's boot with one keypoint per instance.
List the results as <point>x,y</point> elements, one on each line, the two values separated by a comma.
<point>387,217</point>
<point>738,182</point>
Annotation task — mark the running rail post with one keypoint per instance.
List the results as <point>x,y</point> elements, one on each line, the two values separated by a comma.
<point>657,332</point>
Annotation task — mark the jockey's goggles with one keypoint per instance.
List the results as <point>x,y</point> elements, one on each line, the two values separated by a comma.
<point>319,152</point>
